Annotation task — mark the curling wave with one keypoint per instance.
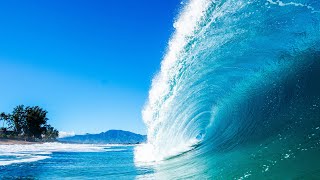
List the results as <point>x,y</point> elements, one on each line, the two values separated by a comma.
<point>238,93</point>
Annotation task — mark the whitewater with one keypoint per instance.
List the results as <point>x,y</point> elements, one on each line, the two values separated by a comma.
<point>69,161</point>
<point>18,153</point>
<point>238,93</point>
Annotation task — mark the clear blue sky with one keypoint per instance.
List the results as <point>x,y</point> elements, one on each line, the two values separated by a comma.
<point>89,63</point>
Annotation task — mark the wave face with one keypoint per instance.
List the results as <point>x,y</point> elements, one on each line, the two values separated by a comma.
<point>238,93</point>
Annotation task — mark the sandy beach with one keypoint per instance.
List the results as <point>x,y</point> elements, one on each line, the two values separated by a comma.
<point>13,141</point>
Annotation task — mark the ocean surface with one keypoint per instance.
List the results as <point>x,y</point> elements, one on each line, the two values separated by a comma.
<point>237,97</point>
<point>238,93</point>
<point>69,161</point>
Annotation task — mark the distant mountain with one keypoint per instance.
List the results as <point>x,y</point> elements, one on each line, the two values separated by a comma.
<point>108,137</point>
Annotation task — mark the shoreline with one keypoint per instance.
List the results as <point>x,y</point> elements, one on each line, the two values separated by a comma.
<point>16,142</point>
<point>23,142</point>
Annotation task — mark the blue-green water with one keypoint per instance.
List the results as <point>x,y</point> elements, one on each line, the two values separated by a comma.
<point>238,93</point>
<point>237,97</point>
<point>115,162</point>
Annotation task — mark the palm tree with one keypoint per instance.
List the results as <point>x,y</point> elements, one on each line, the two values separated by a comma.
<point>18,119</point>
<point>4,118</point>
<point>36,119</point>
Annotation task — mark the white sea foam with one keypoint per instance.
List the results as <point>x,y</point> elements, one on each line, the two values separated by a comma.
<point>281,3</point>
<point>161,93</point>
<point>186,25</point>
<point>37,152</point>
<point>24,159</point>
<point>145,153</point>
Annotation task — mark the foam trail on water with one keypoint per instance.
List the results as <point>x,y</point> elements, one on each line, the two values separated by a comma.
<point>22,159</point>
<point>36,152</point>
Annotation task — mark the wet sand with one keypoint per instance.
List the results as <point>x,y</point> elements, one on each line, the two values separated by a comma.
<point>13,141</point>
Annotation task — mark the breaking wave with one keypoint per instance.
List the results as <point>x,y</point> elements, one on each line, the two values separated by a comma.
<point>238,93</point>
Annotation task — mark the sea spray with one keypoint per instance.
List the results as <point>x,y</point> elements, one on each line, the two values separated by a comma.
<point>238,93</point>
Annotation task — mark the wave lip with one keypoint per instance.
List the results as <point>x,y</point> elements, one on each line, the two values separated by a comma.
<point>162,92</point>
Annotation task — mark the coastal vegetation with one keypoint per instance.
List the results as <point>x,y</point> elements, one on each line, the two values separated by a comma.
<point>28,123</point>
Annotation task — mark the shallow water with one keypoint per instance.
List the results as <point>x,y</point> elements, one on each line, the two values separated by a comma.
<point>63,161</point>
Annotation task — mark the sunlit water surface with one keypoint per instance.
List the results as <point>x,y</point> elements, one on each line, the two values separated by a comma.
<point>69,161</point>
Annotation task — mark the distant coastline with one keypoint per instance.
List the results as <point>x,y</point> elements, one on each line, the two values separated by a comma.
<point>108,137</point>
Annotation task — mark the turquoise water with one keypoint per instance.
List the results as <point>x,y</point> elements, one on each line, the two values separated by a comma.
<point>238,93</point>
<point>237,97</point>
<point>107,162</point>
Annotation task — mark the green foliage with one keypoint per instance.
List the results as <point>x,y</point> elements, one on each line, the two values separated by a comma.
<point>4,117</point>
<point>29,123</point>
<point>35,121</point>
<point>17,118</point>
<point>3,136</point>
<point>50,133</point>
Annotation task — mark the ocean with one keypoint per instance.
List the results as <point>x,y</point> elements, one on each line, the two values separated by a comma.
<point>238,93</point>
<point>69,161</point>
<point>237,97</point>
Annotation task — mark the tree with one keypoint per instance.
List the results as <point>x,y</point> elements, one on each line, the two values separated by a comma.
<point>50,133</point>
<point>36,119</point>
<point>18,119</point>
<point>29,123</point>
<point>4,117</point>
